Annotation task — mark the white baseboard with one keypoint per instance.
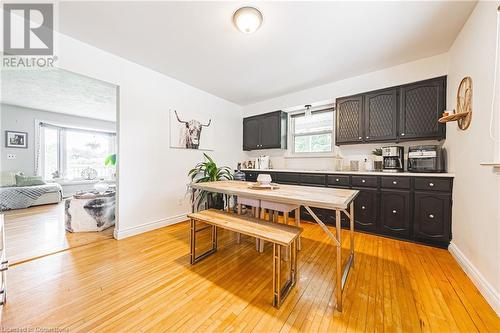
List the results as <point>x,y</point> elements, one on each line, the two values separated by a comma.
<point>121,234</point>
<point>485,288</point>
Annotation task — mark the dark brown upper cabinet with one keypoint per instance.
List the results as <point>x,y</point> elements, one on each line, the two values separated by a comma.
<point>265,131</point>
<point>402,113</point>
<point>380,116</point>
<point>421,106</point>
<point>349,120</point>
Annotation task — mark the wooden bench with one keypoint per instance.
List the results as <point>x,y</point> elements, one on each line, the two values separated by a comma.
<point>278,234</point>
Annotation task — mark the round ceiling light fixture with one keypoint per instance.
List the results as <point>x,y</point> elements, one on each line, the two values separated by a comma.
<point>247,19</point>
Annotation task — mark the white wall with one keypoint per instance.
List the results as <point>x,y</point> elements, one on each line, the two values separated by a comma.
<point>476,195</point>
<point>152,177</point>
<point>17,118</point>
<point>326,94</point>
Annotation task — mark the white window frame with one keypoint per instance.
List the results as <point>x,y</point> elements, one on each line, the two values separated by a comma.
<point>291,135</point>
<point>61,155</point>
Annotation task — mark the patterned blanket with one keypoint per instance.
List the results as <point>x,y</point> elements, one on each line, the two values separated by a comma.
<point>24,196</point>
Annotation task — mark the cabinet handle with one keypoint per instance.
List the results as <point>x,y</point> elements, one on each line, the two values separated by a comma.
<point>359,138</point>
<point>402,134</point>
<point>363,207</point>
<point>367,137</point>
<point>431,184</point>
<point>395,182</point>
<point>337,180</point>
<point>431,216</point>
<point>363,181</point>
<point>394,211</point>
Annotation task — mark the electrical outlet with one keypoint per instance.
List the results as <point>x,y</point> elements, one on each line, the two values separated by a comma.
<point>11,156</point>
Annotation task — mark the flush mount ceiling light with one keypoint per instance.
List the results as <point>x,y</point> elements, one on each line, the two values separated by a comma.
<point>247,19</point>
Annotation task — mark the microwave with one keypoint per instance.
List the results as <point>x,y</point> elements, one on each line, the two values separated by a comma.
<point>426,159</point>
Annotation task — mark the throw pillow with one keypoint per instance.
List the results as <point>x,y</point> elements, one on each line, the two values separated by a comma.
<point>29,180</point>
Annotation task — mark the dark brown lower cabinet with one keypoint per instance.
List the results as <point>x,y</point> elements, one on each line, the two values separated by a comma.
<point>366,210</point>
<point>413,208</point>
<point>395,213</point>
<point>432,217</point>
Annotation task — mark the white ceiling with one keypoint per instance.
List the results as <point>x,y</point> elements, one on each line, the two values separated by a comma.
<point>300,45</point>
<point>59,91</point>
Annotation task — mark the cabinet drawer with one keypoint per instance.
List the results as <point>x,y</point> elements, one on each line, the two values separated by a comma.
<point>433,184</point>
<point>287,178</point>
<point>368,181</point>
<point>395,182</point>
<point>251,176</point>
<point>311,179</point>
<point>340,180</point>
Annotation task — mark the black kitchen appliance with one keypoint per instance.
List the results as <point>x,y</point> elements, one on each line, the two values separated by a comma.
<point>426,159</point>
<point>393,158</point>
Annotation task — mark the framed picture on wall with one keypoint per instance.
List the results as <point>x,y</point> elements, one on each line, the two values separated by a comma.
<point>191,130</point>
<point>15,139</point>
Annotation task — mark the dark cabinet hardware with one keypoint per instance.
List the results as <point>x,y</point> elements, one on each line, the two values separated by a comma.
<point>265,131</point>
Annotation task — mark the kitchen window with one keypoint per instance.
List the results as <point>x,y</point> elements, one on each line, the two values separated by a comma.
<point>68,151</point>
<point>312,133</point>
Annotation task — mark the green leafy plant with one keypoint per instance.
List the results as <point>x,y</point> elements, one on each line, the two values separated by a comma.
<point>208,171</point>
<point>110,160</point>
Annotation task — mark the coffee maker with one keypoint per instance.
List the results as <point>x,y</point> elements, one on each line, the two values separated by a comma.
<point>393,158</point>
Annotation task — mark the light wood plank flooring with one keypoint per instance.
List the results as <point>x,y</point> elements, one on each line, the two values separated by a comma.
<point>146,284</point>
<point>38,231</point>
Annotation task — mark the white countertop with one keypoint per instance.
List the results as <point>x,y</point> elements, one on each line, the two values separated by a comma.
<point>374,173</point>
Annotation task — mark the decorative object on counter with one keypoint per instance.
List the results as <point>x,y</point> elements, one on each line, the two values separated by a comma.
<point>338,160</point>
<point>186,132</point>
<point>262,162</point>
<point>239,175</point>
<point>377,159</point>
<point>89,173</point>
<point>368,164</point>
<point>208,171</point>
<point>463,113</point>
<point>354,165</point>
<point>250,165</point>
<point>15,139</point>
<point>244,165</point>
<point>56,174</point>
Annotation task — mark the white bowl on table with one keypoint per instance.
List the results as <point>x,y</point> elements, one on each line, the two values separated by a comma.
<point>264,179</point>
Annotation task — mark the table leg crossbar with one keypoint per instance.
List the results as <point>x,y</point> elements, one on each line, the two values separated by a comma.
<point>194,231</point>
<point>342,272</point>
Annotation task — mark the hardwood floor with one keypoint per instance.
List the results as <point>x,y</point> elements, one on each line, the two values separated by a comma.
<point>146,284</point>
<point>38,231</point>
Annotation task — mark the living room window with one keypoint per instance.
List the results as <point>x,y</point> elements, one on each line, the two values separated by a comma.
<point>312,132</point>
<point>68,151</point>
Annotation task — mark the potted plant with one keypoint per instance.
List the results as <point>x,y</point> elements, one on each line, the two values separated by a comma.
<point>111,161</point>
<point>208,171</point>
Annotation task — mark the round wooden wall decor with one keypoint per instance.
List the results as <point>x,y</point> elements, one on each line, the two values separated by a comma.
<point>464,103</point>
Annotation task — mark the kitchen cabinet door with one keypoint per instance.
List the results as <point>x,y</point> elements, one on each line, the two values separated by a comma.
<point>380,116</point>
<point>366,210</point>
<point>270,130</point>
<point>251,133</point>
<point>395,213</point>
<point>421,105</point>
<point>349,120</point>
<point>432,217</point>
